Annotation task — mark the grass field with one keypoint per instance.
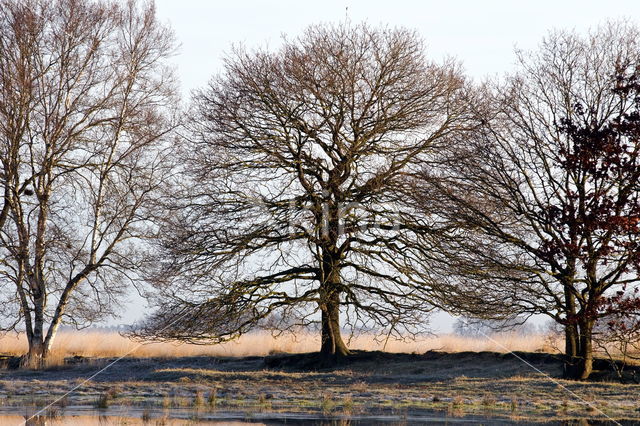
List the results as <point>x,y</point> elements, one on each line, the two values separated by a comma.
<point>440,377</point>
<point>493,386</point>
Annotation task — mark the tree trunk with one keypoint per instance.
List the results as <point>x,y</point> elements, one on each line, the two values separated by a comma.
<point>571,351</point>
<point>571,340</point>
<point>36,357</point>
<point>333,347</point>
<point>585,366</point>
<point>579,364</point>
<point>38,350</point>
<point>571,334</point>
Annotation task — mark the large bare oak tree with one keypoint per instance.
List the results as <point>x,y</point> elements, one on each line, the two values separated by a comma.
<point>291,203</point>
<point>85,97</point>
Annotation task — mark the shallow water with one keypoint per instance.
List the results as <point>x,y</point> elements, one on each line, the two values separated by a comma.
<point>98,420</point>
<point>81,416</point>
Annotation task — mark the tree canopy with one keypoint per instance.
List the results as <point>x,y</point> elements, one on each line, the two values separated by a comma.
<point>290,201</point>
<point>548,193</point>
<point>85,98</point>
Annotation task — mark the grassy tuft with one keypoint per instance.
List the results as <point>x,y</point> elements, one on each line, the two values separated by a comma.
<point>102,402</point>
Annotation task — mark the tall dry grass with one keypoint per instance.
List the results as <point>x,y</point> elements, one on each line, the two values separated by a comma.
<point>112,344</point>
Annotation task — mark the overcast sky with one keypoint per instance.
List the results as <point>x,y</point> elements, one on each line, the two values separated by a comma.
<point>482,34</point>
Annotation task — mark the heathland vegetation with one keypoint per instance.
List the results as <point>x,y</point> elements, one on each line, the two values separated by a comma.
<point>97,344</point>
<point>342,182</point>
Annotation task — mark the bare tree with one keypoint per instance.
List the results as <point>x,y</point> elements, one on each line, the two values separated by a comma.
<point>547,197</point>
<point>291,202</point>
<point>85,97</point>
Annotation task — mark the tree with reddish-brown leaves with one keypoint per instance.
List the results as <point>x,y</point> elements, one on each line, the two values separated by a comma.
<point>617,331</point>
<point>547,197</point>
<point>601,214</point>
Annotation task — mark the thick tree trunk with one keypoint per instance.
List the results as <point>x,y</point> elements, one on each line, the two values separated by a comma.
<point>571,351</point>
<point>579,364</point>
<point>571,335</point>
<point>36,357</point>
<point>38,345</point>
<point>571,340</point>
<point>333,347</point>
<point>585,366</point>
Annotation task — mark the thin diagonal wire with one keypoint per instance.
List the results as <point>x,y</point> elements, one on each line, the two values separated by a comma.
<point>518,357</point>
<point>42,410</point>
<point>556,382</point>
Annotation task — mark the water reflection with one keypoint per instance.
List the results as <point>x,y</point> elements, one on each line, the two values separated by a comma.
<point>164,419</point>
<point>103,420</point>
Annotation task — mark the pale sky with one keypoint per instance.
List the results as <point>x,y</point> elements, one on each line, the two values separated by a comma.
<point>482,34</point>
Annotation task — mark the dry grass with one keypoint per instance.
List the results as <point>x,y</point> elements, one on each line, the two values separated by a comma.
<point>111,344</point>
